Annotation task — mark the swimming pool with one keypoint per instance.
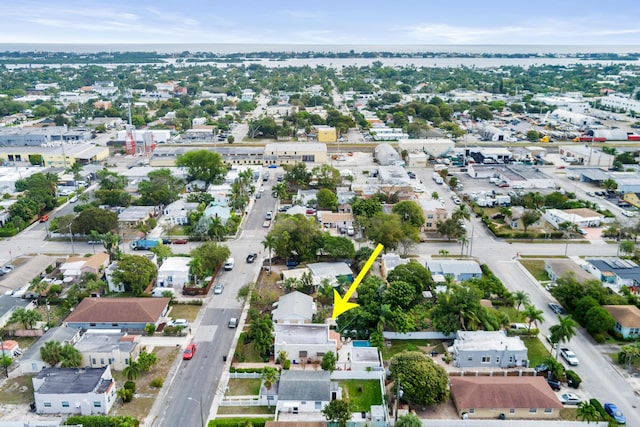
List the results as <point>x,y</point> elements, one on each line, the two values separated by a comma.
<point>360,343</point>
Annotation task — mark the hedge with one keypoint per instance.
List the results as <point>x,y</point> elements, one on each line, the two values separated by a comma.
<point>101,421</point>
<point>573,379</point>
<point>239,422</point>
<point>596,404</point>
<point>8,231</point>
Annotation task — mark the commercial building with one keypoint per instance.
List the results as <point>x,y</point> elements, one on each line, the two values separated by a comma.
<point>386,155</point>
<point>618,101</point>
<point>55,156</point>
<point>326,133</point>
<point>286,153</point>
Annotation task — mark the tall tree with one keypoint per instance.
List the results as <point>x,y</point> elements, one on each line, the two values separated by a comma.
<point>328,361</point>
<point>423,382</point>
<point>269,243</point>
<point>27,317</point>
<point>50,352</point>
<point>533,315</point>
<point>338,411</point>
<point>161,187</point>
<point>529,217</point>
<point>132,371</point>
<point>70,357</point>
<point>204,165</point>
<point>563,331</point>
<point>95,219</point>
<point>410,212</point>
<point>135,273</point>
<point>521,298</point>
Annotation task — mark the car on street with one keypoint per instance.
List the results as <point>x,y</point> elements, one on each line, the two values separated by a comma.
<point>180,241</point>
<point>591,194</point>
<point>570,399</point>
<point>615,413</point>
<point>189,352</point>
<point>503,185</point>
<point>228,264</point>
<point>628,214</point>
<point>44,218</point>
<point>73,199</point>
<point>556,308</point>
<point>217,290</point>
<point>554,384</point>
<point>569,356</point>
<point>233,322</point>
<point>251,258</point>
<point>94,242</point>
<point>269,215</point>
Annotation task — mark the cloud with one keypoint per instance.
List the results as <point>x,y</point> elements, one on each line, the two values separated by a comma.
<point>303,14</point>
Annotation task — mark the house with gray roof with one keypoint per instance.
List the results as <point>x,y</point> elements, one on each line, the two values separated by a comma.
<point>31,362</point>
<point>178,212</point>
<point>83,391</point>
<point>305,392</point>
<point>557,268</point>
<point>333,271</point>
<point>488,349</point>
<point>8,304</point>
<point>460,270</point>
<point>108,347</point>
<point>615,272</point>
<point>294,307</point>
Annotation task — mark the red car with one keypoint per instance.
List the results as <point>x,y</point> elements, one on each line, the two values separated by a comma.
<point>44,218</point>
<point>189,352</point>
<point>180,242</point>
<point>503,185</point>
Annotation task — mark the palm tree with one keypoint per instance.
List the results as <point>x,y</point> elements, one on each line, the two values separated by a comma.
<point>533,315</point>
<point>463,241</point>
<point>269,243</point>
<point>563,331</point>
<point>132,371</point>
<point>70,356</point>
<point>629,354</point>
<point>587,412</point>
<point>27,317</point>
<point>279,191</point>
<point>521,298</point>
<point>195,268</point>
<point>461,213</point>
<point>216,228</point>
<point>269,376</point>
<point>50,352</point>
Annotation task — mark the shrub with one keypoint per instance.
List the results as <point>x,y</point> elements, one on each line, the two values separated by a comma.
<point>238,422</point>
<point>101,420</point>
<point>599,337</point>
<point>157,382</point>
<point>130,385</point>
<point>286,365</point>
<point>573,379</point>
<point>596,404</point>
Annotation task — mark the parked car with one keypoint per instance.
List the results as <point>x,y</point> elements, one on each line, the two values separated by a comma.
<point>217,290</point>
<point>541,368</point>
<point>178,322</point>
<point>269,215</point>
<point>44,218</point>
<point>556,308</point>
<point>228,265</point>
<point>569,356</point>
<point>73,199</point>
<point>189,352</point>
<point>615,413</point>
<point>554,384</point>
<point>251,258</point>
<point>94,242</point>
<point>233,322</point>
<point>570,399</point>
<point>591,194</point>
<point>180,242</point>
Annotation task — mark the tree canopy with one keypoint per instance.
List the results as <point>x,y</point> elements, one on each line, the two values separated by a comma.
<point>422,381</point>
<point>204,165</point>
<point>135,273</point>
<point>94,219</point>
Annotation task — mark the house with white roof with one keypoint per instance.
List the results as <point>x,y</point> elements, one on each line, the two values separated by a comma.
<point>77,266</point>
<point>488,349</point>
<point>332,271</point>
<point>305,343</point>
<point>582,217</point>
<point>294,307</point>
<point>173,273</point>
<point>178,212</point>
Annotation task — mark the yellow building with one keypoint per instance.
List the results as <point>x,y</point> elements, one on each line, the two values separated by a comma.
<point>56,156</point>
<point>326,134</point>
<point>632,199</point>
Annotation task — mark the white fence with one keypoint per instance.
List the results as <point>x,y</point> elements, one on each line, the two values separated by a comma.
<point>241,402</point>
<point>244,375</point>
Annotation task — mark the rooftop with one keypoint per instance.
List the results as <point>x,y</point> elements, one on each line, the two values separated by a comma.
<point>105,341</point>
<point>71,380</point>
<point>301,334</point>
<point>487,340</point>
<point>120,310</point>
<point>627,315</point>
<point>305,385</point>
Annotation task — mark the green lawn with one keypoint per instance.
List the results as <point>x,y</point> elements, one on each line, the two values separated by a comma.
<point>184,311</point>
<point>398,346</point>
<point>536,350</point>
<point>246,352</point>
<point>244,387</point>
<point>362,393</point>
<point>536,268</point>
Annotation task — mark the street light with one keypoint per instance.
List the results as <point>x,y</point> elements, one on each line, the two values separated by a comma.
<point>199,402</point>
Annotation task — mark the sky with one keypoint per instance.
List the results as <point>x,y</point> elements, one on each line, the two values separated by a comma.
<point>346,22</point>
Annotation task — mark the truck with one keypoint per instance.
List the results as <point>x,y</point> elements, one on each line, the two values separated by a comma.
<point>503,200</point>
<point>143,244</point>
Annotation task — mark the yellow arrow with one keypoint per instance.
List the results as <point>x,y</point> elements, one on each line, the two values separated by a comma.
<point>342,304</point>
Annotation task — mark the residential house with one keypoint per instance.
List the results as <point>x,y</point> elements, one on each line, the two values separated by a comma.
<point>108,347</point>
<point>133,216</point>
<point>516,397</point>
<point>305,392</point>
<point>335,219</point>
<point>10,348</point>
<point>332,271</point>
<point>305,343</point>
<point>488,349</point>
<point>582,217</point>
<point>118,313</point>
<point>75,267</point>
<point>111,268</point>
<point>31,361</point>
<point>615,272</point>
<point>83,391</point>
<point>627,319</point>
<point>391,261</point>
<point>294,307</point>
<point>306,197</point>
<point>8,304</point>
<point>216,210</point>
<point>174,272</point>
<point>557,268</point>
<point>459,270</point>
<point>177,213</point>
<point>434,212</point>
<point>345,196</point>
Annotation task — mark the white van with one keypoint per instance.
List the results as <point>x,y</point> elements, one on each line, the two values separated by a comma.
<point>228,265</point>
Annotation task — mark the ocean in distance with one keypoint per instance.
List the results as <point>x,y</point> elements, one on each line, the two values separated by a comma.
<point>223,48</point>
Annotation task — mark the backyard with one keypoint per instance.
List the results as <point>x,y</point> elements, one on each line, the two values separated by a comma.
<point>362,394</point>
